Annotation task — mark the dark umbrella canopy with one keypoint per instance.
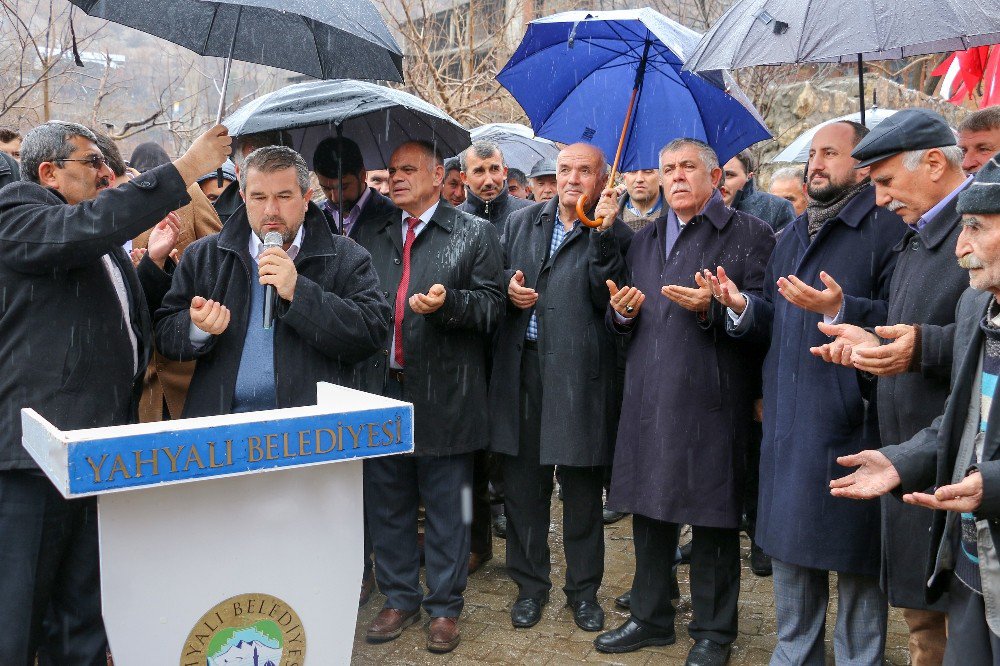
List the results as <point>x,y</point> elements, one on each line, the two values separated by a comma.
<point>377,118</point>
<point>772,32</point>
<point>319,38</point>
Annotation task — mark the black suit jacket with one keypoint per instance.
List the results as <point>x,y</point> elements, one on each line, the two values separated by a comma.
<point>63,343</point>
<point>445,351</point>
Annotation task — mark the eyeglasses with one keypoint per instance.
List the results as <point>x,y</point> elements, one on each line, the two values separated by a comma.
<point>94,161</point>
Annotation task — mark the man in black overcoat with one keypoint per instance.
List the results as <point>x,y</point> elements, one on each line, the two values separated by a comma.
<point>553,399</point>
<point>75,339</point>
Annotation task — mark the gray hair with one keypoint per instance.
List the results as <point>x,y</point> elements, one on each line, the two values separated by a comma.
<point>983,120</point>
<point>705,151</point>
<point>482,149</point>
<point>789,173</point>
<point>952,154</point>
<point>275,158</point>
<point>49,142</point>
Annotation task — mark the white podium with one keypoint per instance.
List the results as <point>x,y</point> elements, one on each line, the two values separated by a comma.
<point>229,540</point>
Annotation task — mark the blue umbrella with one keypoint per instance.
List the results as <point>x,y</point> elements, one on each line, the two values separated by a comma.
<point>588,63</point>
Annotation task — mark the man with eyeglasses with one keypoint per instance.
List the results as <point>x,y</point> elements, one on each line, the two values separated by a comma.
<point>75,336</point>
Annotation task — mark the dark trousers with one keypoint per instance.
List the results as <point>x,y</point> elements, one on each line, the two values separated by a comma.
<point>49,573</point>
<point>482,530</point>
<point>752,482</point>
<point>970,641</point>
<point>715,578</point>
<point>528,496</point>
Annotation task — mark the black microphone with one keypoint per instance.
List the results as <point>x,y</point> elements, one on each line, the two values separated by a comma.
<point>271,239</point>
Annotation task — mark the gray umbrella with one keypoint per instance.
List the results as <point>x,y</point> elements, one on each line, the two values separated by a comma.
<point>774,32</point>
<point>325,39</point>
<point>321,38</point>
<point>520,147</point>
<point>377,118</point>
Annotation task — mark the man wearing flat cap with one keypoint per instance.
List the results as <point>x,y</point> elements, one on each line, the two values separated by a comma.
<point>543,179</point>
<point>953,465</point>
<point>916,167</point>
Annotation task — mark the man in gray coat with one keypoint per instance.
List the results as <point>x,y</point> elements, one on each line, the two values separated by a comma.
<point>958,455</point>
<point>552,391</point>
<point>917,171</point>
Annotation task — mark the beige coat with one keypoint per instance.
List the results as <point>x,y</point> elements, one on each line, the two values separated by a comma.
<point>166,383</point>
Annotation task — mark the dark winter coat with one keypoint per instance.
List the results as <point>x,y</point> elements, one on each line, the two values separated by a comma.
<point>336,319</point>
<point>9,171</point>
<point>815,411</point>
<point>925,288</point>
<point>929,458</point>
<point>445,351</point>
<point>228,202</point>
<point>776,211</point>
<point>495,211</point>
<point>65,349</point>
<point>577,353</point>
<point>689,388</point>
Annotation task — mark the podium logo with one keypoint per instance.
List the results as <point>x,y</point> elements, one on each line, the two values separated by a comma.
<point>247,630</point>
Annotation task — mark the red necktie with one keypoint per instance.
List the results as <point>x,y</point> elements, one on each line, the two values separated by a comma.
<point>404,286</point>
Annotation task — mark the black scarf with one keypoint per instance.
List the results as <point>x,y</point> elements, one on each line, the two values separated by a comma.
<point>819,213</point>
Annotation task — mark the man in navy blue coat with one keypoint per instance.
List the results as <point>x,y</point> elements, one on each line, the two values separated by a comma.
<point>815,411</point>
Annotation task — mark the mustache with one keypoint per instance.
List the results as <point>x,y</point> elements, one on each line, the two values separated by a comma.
<point>970,261</point>
<point>680,188</point>
<point>895,205</point>
<point>103,181</point>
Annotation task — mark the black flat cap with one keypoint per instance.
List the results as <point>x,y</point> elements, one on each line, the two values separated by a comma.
<point>543,167</point>
<point>982,196</point>
<point>903,131</point>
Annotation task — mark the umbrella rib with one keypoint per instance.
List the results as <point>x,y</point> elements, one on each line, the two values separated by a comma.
<point>208,35</point>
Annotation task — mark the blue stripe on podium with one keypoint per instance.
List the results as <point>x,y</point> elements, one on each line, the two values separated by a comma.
<point>147,460</point>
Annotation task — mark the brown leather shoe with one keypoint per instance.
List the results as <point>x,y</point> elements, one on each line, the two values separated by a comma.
<point>444,635</point>
<point>477,560</point>
<point>389,624</point>
<point>367,586</point>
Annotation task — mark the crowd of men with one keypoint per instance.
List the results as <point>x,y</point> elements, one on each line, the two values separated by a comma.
<point>708,354</point>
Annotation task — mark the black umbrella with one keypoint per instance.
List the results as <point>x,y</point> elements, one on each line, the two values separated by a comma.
<point>375,117</point>
<point>775,32</point>
<point>320,38</point>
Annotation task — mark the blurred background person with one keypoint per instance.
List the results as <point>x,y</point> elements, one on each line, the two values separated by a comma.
<point>340,171</point>
<point>739,193</point>
<point>543,179</point>
<point>378,180</point>
<point>10,142</point>
<point>517,184</point>
<point>643,199</point>
<point>789,184</point>
<point>209,183</point>
<point>979,138</point>
<point>453,189</point>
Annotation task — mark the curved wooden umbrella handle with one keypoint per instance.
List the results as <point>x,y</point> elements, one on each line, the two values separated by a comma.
<point>581,212</point>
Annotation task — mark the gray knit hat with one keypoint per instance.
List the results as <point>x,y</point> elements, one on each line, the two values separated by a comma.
<point>983,194</point>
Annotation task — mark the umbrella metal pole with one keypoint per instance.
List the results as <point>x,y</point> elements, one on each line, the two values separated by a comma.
<point>340,176</point>
<point>225,81</point>
<point>861,87</point>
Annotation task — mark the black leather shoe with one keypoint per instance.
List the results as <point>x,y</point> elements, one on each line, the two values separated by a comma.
<point>632,636</point>
<point>708,653</point>
<point>588,615</point>
<point>609,516</point>
<point>685,553</point>
<point>526,612</point>
<point>500,526</point>
<point>760,563</point>
<point>624,601</point>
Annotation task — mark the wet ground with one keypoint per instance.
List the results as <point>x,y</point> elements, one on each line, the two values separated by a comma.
<point>488,638</point>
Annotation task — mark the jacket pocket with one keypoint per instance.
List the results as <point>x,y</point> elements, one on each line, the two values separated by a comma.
<point>76,368</point>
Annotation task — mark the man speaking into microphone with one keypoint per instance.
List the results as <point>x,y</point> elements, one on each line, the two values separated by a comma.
<point>326,311</point>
